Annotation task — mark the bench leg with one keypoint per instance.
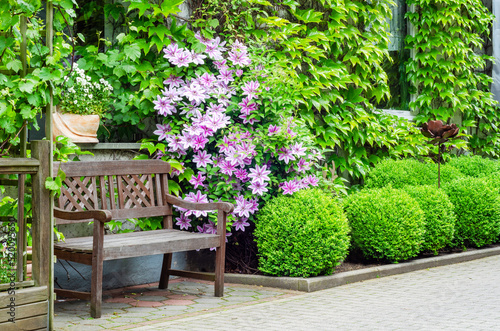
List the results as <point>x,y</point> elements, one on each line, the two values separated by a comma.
<point>220,255</point>
<point>97,268</point>
<point>165,271</point>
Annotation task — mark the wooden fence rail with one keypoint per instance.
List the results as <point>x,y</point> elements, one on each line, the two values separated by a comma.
<point>28,305</point>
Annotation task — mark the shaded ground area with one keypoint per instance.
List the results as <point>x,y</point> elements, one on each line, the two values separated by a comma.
<point>144,303</point>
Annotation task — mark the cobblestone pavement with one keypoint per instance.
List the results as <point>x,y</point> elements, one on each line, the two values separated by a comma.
<point>463,296</point>
<point>143,304</point>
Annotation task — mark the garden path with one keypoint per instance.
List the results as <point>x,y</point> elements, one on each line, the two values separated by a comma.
<point>464,296</point>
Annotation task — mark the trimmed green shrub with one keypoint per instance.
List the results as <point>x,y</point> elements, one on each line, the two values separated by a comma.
<point>494,181</point>
<point>409,172</point>
<point>439,216</point>
<point>448,173</point>
<point>385,223</point>
<point>399,173</point>
<point>477,207</point>
<point>303,235</point>
<point>475,166</point>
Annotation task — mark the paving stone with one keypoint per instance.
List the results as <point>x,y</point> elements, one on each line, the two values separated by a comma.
<point>464,296</point>
<point>115,305</point>
<point>182,296</point>
<point>118,300</point>
<point>208,300</point>
<point>243,294</point>
<point>150,298</point>
<point>178,302</point>
<point>141,310</point>
<point>146,304</point>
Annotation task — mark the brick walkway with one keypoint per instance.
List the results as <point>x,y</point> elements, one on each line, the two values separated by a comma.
<point>463,296</point>
<point>137,305</point>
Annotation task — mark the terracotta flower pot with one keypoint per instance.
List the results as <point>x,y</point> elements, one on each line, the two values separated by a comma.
<point>79,128</point>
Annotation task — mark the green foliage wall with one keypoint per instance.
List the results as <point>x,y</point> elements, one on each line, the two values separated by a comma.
<point>132,62</point>
<point>24,87</point>
<point>337,49</point>
<point>446,70</point>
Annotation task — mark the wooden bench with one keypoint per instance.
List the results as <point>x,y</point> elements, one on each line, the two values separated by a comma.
<point>115,190</point>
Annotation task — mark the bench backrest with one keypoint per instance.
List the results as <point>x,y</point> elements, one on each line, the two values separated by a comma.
<point>129,189</point>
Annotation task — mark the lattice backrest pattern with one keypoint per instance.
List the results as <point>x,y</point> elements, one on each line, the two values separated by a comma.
<point>114,185</point>
<point>79,193</point>
<point>136,191</point>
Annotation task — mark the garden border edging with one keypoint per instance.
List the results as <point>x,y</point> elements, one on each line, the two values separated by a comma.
<point>324,282</point>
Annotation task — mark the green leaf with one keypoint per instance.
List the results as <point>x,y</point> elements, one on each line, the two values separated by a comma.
<point>14,65</point>
<point>173,187</point>
<point>26,86</point>
<point>141,6</point>
<point>133,52</point>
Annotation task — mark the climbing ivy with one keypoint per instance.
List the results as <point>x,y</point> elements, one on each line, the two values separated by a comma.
<point>131,61</point>
<point>447,69</point>
<point>24,94</point>
<point>335,53</point>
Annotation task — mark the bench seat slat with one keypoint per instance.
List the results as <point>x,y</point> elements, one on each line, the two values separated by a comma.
<point>142,243</point>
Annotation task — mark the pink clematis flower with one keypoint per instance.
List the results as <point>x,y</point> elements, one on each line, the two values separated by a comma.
<point>259,174</point>
<point>183,222</point>
<point>250,89</point>
<point>290,187</point>
<point>197,180</point>
<point>162,131</point>
<point>202,159</point>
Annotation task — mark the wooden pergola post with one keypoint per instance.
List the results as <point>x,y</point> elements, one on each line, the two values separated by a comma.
<point>49,166</point>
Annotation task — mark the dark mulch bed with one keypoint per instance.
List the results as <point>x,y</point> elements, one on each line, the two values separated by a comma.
<point>241,258</point>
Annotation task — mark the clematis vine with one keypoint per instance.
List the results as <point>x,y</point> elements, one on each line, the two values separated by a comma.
<point>218,122</point>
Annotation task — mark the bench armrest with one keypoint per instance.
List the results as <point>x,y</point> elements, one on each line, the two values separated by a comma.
<point>98,214</point>
<point>223,206</point>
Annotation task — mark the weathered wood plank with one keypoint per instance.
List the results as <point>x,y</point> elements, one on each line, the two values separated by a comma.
<point>220,255</point>
<point>24,296</point>
<point>41,227</point>
<point>18,166</point>
<point>179,245</point>
<point>97,263</point>
<point>19,285</point>
<point>106,168</point>
<point>120,214</point>
<point>151,245</point>
<point>84,258</point>
<point>193,274</point>
<point>72,294</point>
<point>21,234</point>
<point>31,323</point>
<point>25,311</point>
<point>132,238</point>
<point>17,170</point>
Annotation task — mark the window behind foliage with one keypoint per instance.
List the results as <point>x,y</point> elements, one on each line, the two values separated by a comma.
<point>395,68</point>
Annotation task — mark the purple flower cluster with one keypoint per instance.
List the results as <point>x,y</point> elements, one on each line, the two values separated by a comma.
<point>215,127</point>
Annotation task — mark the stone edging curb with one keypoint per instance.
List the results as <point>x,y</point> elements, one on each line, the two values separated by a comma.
<point>323,282</point>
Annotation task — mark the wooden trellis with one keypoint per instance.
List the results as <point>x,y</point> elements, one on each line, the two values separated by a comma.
<point>33,299</point>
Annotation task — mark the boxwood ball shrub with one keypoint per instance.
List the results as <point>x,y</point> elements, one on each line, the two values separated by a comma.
<point>475,166</point>
<point>477,207</point>
<point>386,223</point>
<point>399,173</point>
<point>438,213</point>
<point>448,173</point>
<point>303,235</point>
